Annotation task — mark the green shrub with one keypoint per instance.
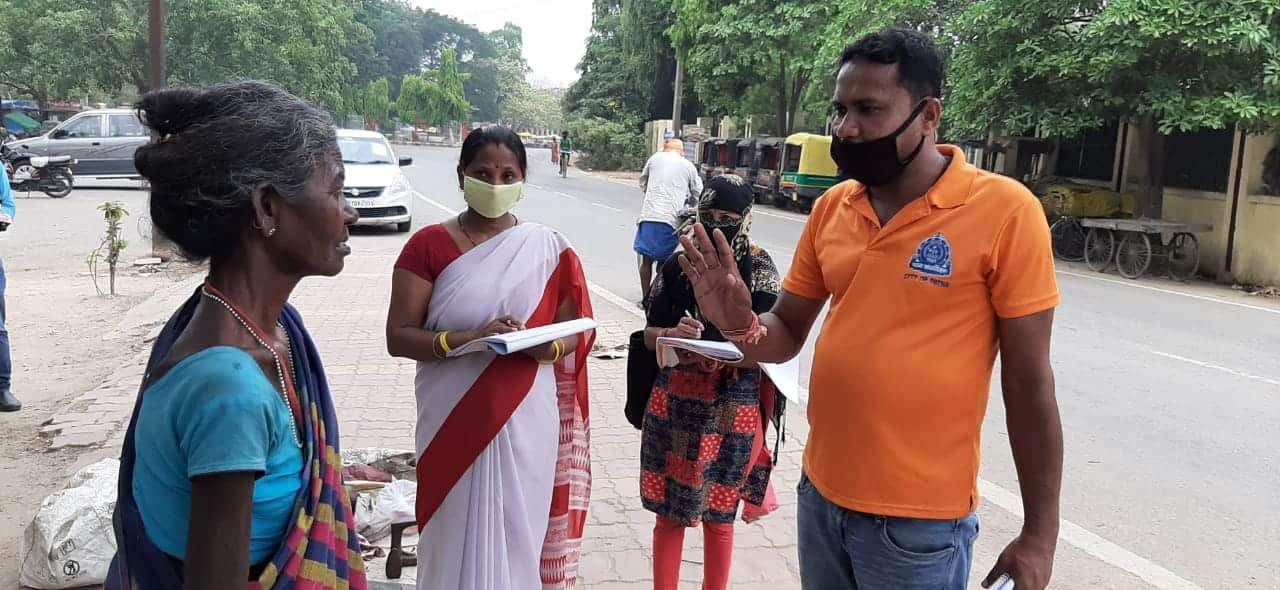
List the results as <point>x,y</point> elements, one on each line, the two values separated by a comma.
<point>609,145</point>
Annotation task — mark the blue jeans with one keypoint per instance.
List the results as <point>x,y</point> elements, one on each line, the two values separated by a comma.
<point>6,365</point>
<point>841,548</point>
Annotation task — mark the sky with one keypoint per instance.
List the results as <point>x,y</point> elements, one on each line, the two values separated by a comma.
<point>555,31</point>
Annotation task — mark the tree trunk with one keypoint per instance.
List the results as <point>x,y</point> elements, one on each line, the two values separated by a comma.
<point>793,108</point>
<point>781,125</point>
<point>1151,200</point>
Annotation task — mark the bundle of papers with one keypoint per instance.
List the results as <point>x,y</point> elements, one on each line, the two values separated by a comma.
<point>785,376</point>
<point>513,342</point>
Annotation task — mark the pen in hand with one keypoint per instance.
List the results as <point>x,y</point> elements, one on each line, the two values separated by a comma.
<point>688,327</point>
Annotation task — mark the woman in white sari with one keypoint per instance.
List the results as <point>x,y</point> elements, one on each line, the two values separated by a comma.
<point>503,465</point>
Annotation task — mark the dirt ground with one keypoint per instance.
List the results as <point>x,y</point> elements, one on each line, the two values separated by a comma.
<point>58,328</point>
<point>65,339</point>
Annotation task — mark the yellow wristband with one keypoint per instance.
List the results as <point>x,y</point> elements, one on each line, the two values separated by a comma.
<point>444,342</point>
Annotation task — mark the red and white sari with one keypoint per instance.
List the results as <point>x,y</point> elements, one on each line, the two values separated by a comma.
<point>504,470</point>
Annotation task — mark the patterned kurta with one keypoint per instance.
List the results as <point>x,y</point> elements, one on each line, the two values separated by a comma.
<point>699,431</point>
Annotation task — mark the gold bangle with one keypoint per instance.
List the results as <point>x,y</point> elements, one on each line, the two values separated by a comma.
<point>444,342</point>
<point>558,349</point>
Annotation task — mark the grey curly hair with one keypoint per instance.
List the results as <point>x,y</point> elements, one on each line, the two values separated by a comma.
<point>214,146</point>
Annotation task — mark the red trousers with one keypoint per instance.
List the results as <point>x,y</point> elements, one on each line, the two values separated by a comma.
<point>668,548</point>
<point>717,544</point>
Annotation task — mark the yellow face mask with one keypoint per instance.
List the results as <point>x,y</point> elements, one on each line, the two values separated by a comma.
<point>491,200</point>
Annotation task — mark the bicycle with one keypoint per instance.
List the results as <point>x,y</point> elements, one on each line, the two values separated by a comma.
<point>564,164</point>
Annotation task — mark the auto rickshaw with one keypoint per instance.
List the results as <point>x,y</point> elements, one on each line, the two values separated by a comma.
<point>707,158</point>
<point>746,158</point>
<point>725,154</point>
<point>807,170</point>
<point>768,154</point>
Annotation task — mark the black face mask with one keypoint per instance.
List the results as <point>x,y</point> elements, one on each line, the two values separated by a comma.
<point>875,162</point>
<point>728,228</point>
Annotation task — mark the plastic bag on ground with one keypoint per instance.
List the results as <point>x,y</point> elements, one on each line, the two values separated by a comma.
<point>371,524</point>
<point>377,510</point>
<point>397,500</point>
<point>70,542</point>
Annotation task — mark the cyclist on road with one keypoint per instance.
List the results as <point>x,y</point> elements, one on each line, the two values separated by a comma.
<point>566,150</point>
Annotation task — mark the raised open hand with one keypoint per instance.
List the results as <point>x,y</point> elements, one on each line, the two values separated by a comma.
<point>723,297</point>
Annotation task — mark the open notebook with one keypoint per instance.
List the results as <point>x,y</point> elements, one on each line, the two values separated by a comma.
<point>504,344</point>
<point>785,376</point>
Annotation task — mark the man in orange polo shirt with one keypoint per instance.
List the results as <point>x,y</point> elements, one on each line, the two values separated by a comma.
<point>932,267</point>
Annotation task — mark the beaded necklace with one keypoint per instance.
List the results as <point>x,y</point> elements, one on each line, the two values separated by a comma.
<point>287,392</point>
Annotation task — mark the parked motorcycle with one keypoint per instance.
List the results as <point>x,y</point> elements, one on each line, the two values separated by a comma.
<point>29,172</point>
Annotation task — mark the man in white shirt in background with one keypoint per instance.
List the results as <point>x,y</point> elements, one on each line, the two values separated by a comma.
<point>670,183</point>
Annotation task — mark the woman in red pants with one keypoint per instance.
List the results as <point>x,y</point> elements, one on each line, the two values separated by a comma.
<point>702,442</point>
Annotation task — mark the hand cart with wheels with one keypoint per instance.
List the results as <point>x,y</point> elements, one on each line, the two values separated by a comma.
<point>1133,246</point>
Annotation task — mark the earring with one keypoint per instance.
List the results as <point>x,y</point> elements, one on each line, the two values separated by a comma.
<point>271,232</point>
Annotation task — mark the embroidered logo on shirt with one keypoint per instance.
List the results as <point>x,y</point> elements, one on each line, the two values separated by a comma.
<point>933,257</point>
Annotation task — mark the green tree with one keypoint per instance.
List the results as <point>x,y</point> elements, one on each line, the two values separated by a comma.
<point>628,68</point>
<point>858,18</point>
<point>375,106</point>
<point>604,89</point>
<point>648,57</point>
<point>1061,68</point>
<point>408,40</point>
<point>506,71</point>
<point>534,108</point>
<point>452,102</point>
<point>299,44</point>
<point>435,97</point>
<point>508,41</point>
<point>53,49</point>
<point>729,46</point>
<point>417,100</point>
<point>624,81</point>
<point>59,49</point>
<point>397,46</point>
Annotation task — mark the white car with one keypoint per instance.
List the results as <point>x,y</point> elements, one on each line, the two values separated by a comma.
<point>375,185</point>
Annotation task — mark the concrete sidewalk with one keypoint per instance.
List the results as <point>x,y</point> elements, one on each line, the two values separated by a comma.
<point>374,395</point>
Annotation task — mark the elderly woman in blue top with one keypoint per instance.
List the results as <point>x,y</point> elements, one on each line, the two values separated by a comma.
<point>229,475</point>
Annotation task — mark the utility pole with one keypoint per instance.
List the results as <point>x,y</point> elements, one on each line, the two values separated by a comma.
<point>161,247</point>
<point>678,99</point>
<point>155,70</point>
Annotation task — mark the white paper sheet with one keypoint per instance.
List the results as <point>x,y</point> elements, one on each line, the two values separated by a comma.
<point>786,377</point>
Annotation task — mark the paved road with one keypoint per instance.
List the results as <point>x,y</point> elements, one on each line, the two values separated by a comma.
<point>64,230</point>
<point>1170,397</point>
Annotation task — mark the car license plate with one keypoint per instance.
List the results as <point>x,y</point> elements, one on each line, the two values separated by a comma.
<point>361,203</point>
